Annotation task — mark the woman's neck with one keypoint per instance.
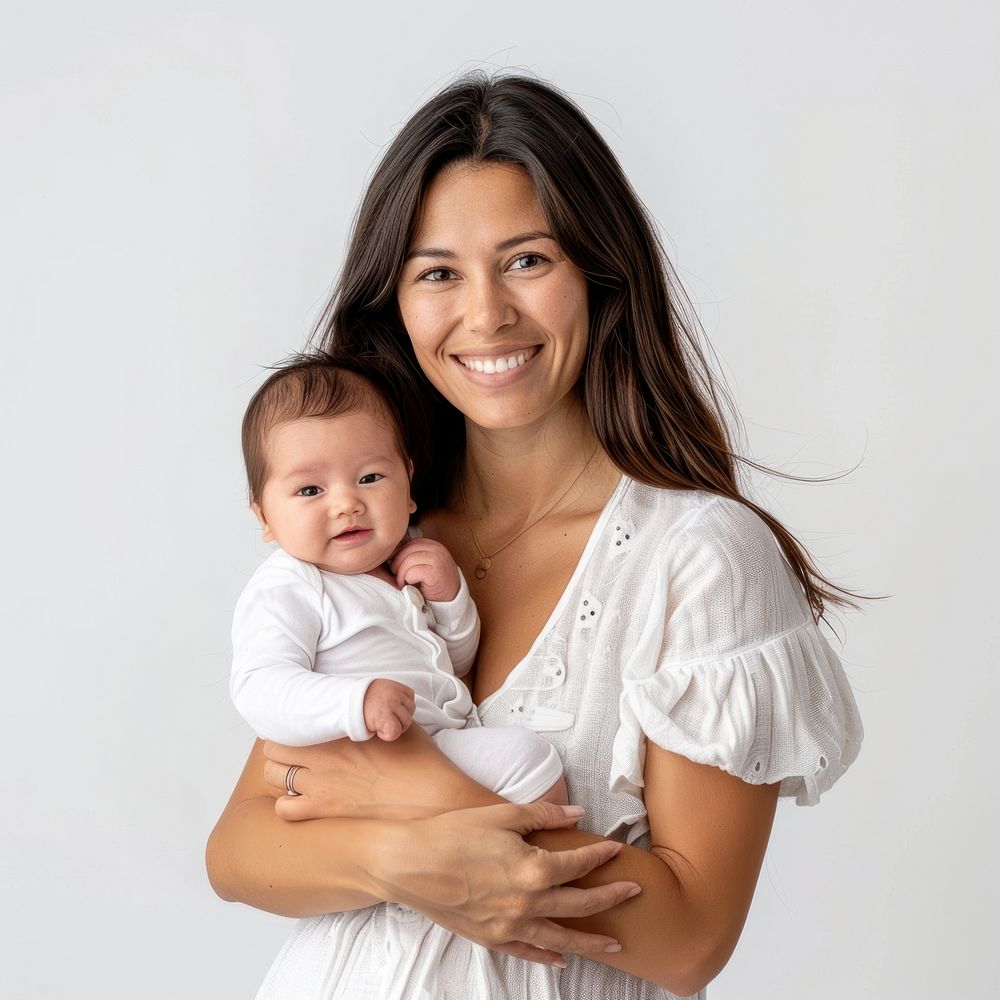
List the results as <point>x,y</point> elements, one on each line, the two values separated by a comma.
<point>517,474</point>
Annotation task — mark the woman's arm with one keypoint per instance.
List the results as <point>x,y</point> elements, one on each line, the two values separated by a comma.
<point>709,832</point>
<point>471,864</point>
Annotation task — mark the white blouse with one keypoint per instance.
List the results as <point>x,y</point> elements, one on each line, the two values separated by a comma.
<point>681,624</point>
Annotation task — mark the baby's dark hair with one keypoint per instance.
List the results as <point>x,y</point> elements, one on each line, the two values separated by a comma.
<point>314,384</point>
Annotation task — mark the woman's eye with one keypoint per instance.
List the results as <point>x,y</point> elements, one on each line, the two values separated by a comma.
<point>372,477</point>
<point>437,274</point>
<point>308,491</point>
<point>526,261</point>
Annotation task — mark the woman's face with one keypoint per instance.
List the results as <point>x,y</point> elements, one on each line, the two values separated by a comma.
<point>496,312</point>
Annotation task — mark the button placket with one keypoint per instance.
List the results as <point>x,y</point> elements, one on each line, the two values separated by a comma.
<point>421,611</point>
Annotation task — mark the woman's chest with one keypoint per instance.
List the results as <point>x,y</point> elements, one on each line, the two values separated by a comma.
<point>516,600</point>
<point>518,594</point>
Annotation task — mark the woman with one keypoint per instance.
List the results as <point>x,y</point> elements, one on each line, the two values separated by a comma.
<point>637,610</point>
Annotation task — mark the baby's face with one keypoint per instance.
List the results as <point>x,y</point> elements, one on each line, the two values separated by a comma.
<point>338,493</point>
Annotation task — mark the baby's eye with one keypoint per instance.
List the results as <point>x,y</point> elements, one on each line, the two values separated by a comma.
<point>372,477</point>
<point>309,491</point>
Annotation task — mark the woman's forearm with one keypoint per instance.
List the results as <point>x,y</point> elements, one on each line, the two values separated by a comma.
<point>255,857</point>
<point>709,832</point>
<point>663,938</point>
<point>466,868</point>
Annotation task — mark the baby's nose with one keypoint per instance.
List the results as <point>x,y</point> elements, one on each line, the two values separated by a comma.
<point>349,503</point>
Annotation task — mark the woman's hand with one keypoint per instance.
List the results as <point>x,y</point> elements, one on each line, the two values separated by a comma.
<point>468,869</point>
<point>471,872</point>
<point>406,779</point>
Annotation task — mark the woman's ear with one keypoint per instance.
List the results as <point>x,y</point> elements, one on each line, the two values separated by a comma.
<point>268,537</point>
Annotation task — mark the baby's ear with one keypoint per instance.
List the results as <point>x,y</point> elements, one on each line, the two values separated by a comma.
<point>255,507</point>
<point>410,505</point>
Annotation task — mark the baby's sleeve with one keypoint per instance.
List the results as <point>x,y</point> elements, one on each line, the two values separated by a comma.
<point>731,670</point>
<point>457,622</point>
<point>277,627</point>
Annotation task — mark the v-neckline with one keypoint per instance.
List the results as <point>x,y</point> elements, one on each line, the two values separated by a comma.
<point>595,533</point>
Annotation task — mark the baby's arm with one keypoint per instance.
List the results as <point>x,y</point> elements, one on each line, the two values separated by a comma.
<point>277,626</point>
<point>427,564</point>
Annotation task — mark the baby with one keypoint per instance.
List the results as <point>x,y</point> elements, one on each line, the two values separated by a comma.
<point>356,626</point>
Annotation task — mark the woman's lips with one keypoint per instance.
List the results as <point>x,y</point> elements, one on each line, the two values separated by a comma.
<point>497,363</point>
<point>499,368</point>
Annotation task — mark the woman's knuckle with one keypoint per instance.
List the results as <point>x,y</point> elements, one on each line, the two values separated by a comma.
<point>499,931</point>
<point>535,873</point>
<point>522,908</point>
<point>527,932</point>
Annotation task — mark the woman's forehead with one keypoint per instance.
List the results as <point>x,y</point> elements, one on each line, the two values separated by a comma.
<point>478,204</point>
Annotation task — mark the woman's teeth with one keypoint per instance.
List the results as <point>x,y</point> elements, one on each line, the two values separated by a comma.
<point>492,366</point>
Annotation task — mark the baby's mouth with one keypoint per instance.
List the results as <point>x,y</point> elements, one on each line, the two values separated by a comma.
<point>352,534</point>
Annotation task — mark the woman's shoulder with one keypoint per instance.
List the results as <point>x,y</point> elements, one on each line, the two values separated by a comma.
<point>713,560</point>
<point>677,520</point>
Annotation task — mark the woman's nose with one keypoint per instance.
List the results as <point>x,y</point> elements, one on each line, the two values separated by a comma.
<point>487,305</point>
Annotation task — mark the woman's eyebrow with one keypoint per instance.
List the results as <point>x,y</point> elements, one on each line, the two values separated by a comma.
<point>428,252</point>
<point>524,238</point>
<point>513,241</point>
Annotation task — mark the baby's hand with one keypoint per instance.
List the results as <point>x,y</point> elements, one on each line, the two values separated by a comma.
<point>427,564</point>
<point>388,709</point>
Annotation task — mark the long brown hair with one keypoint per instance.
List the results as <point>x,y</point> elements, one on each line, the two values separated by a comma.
<point>653,400</point>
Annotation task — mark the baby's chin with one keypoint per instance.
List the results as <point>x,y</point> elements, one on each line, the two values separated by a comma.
<point>374,563</point>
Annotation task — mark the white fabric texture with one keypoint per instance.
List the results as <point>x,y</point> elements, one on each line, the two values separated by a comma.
<point>681,624</point>
<point>516,763</point>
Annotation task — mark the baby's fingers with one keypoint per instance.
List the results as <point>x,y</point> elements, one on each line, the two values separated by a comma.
<point>389,727</point>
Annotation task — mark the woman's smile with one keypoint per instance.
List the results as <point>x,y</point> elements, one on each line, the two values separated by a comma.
<point>498,362</point>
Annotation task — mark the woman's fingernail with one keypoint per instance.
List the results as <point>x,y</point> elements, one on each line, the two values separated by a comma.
<point>560,963</point>
<point>634,891</point>
<point>610,948</point>
<point>573,810</point>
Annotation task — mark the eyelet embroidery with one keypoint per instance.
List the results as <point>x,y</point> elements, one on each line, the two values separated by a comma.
<point>621,535</point>
<point>588,611</point>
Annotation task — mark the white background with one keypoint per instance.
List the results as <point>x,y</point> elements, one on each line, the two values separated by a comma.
<point>177,182</point>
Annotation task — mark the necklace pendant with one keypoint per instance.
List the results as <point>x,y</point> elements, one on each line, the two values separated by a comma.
<point>483,567</point>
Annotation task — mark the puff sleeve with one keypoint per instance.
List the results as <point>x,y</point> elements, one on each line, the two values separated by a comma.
<point>730,669</point>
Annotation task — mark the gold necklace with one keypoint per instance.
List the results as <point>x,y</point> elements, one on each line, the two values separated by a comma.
<point>486,561</point>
